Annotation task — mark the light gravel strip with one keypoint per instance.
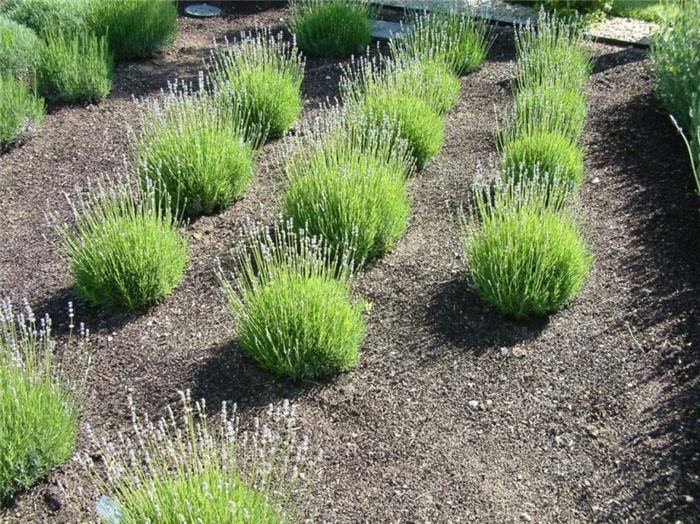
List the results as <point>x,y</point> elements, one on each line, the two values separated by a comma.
<point>614,30</point>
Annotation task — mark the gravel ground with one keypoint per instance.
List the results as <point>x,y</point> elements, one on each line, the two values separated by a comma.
<point>454,414</point>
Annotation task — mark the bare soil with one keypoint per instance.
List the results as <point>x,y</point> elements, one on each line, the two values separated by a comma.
<point>454,413</point>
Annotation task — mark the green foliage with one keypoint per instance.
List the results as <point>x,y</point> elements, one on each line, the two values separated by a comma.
<point>173,499</point>
<point>395,90</point>
<point>650,10</point>
<point>198,151</point>
<point>187,469</point>
<point>693,145</point>
<point>293,307</point>
<point>592,9</point>
<point>676,56</point>
<point>18,49</point>
<point>47,15</point>
<point>262,73</point>
<point>550,108</point>
<point>21,112</point>
<point>125,250</point>
<point>74,68</point>
<point>38,402</point>
<point>331,28</point>
<point>415,121</point>
<point>552,53</point>
<point>457,40</point>
<point>526,257</point>
<point>437,86</point>
<point>347,184</point>
<point>549,153</point>
<point>582,6</point>
<point>134,28</point>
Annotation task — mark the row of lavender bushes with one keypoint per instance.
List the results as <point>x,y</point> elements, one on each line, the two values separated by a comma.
<point>291,291</point>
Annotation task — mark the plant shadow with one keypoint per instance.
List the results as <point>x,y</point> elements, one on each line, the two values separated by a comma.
<point>230,375</point>
<point>150,76</point>
<point>460,319</point>
<point>503,47</point>
<point>95,319</point>
<point>619,58</point>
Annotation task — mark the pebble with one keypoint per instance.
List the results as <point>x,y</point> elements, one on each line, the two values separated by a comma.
<point>525,517</point>
<point>519,352</point>
<point>504,351</point>
<point>473,403</point>
<point>596,180</point>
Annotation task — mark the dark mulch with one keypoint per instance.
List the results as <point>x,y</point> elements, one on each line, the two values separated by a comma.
<point>454,414</point>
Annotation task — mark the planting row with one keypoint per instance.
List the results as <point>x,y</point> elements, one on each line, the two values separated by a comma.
<point>347,171</point>
<point>523,247</point>
<point>64,50</point>
<point>292,290</point>
<point>179,468</point>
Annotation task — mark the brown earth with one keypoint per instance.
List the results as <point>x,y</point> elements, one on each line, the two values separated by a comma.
<point>454,414</point>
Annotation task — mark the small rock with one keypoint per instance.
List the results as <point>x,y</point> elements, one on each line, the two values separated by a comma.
<point>563,441</point>
<point>596,180</point>
<point>689,499</point>
<point>519,352</point>
<point>328,77</point>
<point>473,403</point>
<point>504,351</point>
<point>525,517</point>
<point>348,390</point>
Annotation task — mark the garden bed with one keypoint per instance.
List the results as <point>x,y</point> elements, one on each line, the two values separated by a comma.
<point>454,413</point>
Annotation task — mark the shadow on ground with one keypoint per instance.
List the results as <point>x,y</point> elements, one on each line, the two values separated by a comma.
<point>650,163</point>
<point>232,376</point>
<point>463,320</point>
<point>96,319</point>
<point>618,58</point>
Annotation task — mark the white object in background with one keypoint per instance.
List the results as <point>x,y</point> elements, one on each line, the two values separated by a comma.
<point>202,11</point>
